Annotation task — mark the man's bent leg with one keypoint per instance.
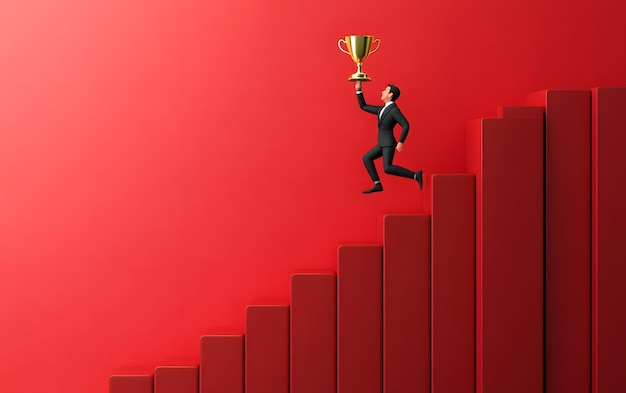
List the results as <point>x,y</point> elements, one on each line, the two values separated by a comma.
<point>368,159</point>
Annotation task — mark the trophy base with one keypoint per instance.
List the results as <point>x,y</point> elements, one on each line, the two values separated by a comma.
<point>359,76</point>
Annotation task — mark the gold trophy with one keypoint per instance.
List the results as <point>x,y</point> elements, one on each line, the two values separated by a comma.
<point>359,48</point>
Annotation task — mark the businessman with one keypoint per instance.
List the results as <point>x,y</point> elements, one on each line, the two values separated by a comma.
<point>388,116</point>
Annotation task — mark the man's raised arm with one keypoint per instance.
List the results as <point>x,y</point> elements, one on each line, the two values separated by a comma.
<point>361,99</point>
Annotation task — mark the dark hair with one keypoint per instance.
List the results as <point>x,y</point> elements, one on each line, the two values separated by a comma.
<point>395,91</point>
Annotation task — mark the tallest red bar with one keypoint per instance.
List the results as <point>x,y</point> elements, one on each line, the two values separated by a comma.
<point>609,241</point>
<point>506,155</point>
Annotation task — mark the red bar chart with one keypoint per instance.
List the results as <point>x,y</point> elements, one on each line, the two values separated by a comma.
<point>513,282</point>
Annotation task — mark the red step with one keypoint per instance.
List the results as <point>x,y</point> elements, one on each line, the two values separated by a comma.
<point>131,383</point>
<point>609,240</point>
<point>267,349</point>
<point>406,312</point>
<point>176,380</point>
<point>222,364</point>
<point>453,284</point>
<point>506,155</point>
<point>359,319</point>
<point>568,238</point>
<point>313,333</point>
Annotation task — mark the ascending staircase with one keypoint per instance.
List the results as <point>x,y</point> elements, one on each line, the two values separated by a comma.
<point>514,282</point>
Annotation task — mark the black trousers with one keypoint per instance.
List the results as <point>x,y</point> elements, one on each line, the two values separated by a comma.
<point>387,153</point>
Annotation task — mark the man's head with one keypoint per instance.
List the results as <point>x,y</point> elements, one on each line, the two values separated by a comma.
<point>391,93</point>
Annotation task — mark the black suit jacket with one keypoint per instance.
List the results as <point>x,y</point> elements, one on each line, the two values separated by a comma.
<point>391,116</point>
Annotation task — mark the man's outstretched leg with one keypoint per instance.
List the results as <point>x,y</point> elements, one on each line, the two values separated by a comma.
<point>368,159</point>
<point>388,153</point>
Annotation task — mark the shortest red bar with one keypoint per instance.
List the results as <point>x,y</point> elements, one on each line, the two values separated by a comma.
<point>176,379</point>
<point>130,384</point>
<point>221,364</point>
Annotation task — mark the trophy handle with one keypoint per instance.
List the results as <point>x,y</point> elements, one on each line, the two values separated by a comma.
<point>377,46</point>
<point>343,50</point>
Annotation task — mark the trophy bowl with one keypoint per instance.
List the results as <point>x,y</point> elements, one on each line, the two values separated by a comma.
<point>359,47</point>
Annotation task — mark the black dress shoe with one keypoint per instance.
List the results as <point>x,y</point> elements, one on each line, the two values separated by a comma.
<point>418,177</point>
<point>377,188</point>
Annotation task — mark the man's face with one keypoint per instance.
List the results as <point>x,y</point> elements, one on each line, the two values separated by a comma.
<point>386,95</point>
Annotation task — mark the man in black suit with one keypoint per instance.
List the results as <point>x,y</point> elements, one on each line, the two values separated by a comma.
<point>388,116</point>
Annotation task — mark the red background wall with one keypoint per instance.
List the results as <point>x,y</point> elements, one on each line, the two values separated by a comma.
<point>165,163</point>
